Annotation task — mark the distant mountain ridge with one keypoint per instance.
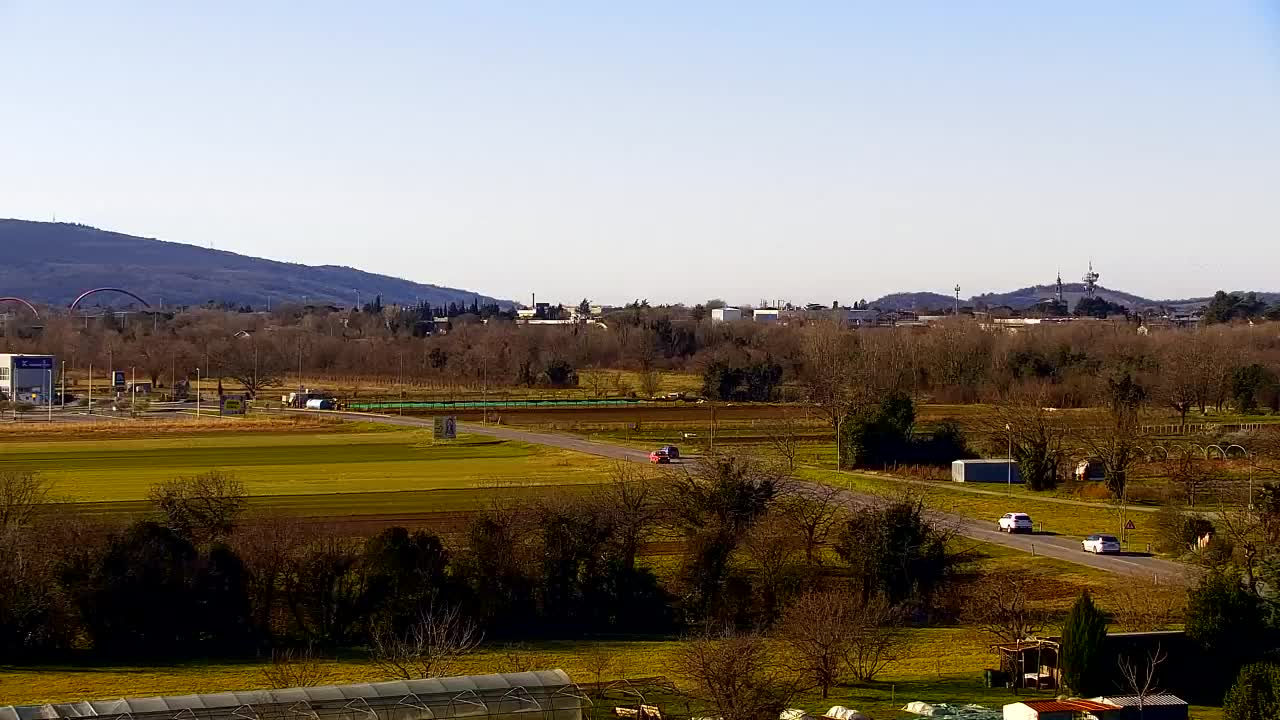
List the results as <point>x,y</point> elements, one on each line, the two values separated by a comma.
<point>52,263</point>
<point>1028,297</point>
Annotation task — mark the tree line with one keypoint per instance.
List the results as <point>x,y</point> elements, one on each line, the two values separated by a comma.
<point>200,575</point>
<point>1212,367</point>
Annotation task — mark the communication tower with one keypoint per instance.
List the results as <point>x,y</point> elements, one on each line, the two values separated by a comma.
<point>1090,280</point>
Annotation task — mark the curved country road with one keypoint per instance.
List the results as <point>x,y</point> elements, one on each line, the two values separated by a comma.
<point>1058,548</point>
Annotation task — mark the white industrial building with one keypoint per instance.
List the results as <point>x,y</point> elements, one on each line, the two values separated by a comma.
<point>766,316</point>
<point>27,378</point>
<point>725,314</point>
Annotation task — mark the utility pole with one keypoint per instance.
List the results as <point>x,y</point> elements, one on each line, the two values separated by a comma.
<point>197,394</point>
<point>133,391</point>
<point>713,426</point>
<point>839,422</point>
<point>1009,465</point>
<point>90,388</point>
<point>64,385</point>
<point>957,299</point>
<point>51,392</point>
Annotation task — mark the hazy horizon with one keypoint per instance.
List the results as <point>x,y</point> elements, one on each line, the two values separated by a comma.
<point>740,151</point>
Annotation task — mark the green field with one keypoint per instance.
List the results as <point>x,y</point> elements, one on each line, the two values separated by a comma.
<point>1058,518</point>
<point>941,665</point>
<point>349,469</point>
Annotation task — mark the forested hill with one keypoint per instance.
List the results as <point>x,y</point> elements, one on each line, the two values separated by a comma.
<point>1027,297</point>
<point>54,262</point>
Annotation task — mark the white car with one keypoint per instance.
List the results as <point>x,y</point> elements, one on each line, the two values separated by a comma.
<point>1016,522</point>
<point>1100,544</point>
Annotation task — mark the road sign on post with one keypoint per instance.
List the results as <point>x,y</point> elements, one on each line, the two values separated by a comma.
<point>118,380</point>
<point>446,428</point>
<point>233,405</point>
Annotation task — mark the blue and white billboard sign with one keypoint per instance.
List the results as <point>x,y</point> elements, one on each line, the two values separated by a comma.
<point>33,363</point>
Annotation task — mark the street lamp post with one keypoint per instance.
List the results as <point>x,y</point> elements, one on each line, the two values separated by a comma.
<point>197,393</point>
<point>63,377</point>
<point>1009,466</point>
<point>51,392</point>
<point>90,388</point>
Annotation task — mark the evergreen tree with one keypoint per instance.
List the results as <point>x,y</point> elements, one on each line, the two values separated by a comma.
<point>1083,635</point>
<point>1227,622</point>
<point>1256,694</point>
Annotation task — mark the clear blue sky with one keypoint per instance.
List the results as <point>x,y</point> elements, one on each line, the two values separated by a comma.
<point>668,150</point>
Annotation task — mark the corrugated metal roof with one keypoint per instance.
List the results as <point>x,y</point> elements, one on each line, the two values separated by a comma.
<point>1150,700</point>
<point>451,695</point>
<point>1067,706</point>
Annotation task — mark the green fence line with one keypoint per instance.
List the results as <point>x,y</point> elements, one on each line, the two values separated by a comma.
<point>473,404</point>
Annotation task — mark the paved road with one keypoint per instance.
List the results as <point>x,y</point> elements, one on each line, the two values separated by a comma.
<point>1052,546</point>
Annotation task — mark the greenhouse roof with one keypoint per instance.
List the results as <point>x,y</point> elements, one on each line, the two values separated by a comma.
<point>546,694</point>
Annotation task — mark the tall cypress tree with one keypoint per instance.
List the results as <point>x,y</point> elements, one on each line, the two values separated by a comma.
<point>1082,654</point>
<point>1256,694</point>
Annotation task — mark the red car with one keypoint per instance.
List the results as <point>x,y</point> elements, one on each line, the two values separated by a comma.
<point>657,456</point>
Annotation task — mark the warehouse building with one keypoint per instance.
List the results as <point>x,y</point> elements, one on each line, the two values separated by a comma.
<point>998,470</point>
<point>726,314</point>
<point>26,378</point>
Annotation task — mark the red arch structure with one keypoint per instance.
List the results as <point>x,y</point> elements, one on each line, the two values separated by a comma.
<point>20,301</point>
<point>120,291</point>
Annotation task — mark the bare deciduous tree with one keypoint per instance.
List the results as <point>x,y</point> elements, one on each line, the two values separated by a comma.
<point>254,363</point>
<point>292,668</point>
<point>735,676</point>
<point>650,382</point>
<point>1245,530</point>
<point>631,502</point>
<point>831,375</point>
<point>785,437</point>
<point>1000,605</point>
<point>1141,678</point>
<point>1115,438</point>
<point>834,634</point>
<point>876,639</point>
<point>1193,476</point>
<point>21,494</point>
<point>431,647</point>
<point>774,552</point>
<point>1036,432</point>
<point>201,507</point>
<point>597,663</point>
<point>1143,606</point>
<point>815,631</point>
<point>814,511</point>
<point>267,546</point>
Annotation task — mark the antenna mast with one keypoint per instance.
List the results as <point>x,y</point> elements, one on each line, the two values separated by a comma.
<point>1090,280</point>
